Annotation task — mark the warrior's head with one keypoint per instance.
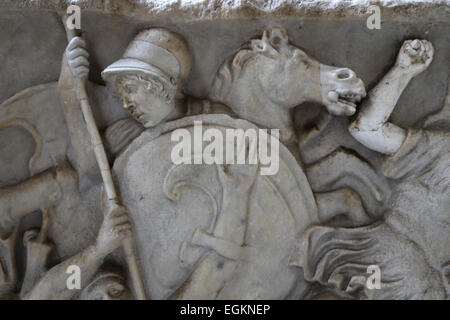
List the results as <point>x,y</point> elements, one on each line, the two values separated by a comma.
<point>107,285</point>
<point>149,74</point>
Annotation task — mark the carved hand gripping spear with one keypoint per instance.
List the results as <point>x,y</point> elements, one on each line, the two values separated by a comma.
<point>105,170</point>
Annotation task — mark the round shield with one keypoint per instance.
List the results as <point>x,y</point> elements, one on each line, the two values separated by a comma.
<point>172,206</point>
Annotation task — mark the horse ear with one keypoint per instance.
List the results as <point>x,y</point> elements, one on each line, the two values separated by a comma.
<point>258,45</point>
<point>276,36</point>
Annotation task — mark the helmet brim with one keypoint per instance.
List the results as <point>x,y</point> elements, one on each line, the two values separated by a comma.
<point>129,66</point>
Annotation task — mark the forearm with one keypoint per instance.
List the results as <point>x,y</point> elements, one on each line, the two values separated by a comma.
<point>232,222</point>
<point>381,101</point>
<point>387,139</point>
<point>80,154</point>
<point>54,284</point>
<point>370,127</point>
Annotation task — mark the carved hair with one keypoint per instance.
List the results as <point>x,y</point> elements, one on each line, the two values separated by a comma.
<point>153,85</point>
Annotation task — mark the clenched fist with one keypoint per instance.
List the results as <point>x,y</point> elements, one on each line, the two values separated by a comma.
<point>415,56</point>
<point>77,58</point>
<point>115,228</point>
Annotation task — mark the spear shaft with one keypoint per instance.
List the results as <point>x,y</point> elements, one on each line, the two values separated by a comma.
<point>105,170</point>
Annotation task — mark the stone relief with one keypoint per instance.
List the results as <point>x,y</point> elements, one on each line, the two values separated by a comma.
<point>353,189</point>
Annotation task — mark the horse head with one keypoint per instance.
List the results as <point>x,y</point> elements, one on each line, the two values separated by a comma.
<point>267,77</point>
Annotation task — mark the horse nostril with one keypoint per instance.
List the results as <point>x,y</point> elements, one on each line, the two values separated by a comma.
<point>344,75</point>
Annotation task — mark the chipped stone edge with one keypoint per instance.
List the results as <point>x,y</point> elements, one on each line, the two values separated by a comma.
<point>198,10</point>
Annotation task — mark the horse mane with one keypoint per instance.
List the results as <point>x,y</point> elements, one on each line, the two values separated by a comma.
<point>230,70</point>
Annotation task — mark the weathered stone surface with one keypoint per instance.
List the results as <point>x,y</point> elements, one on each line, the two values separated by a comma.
<point>349,193</point>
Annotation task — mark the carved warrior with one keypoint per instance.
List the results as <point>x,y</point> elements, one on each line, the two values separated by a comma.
<point>137,78</point>
<point>160,81</point>
<point>213,231</point>
<point>155,74</point>
<point>338,88</point>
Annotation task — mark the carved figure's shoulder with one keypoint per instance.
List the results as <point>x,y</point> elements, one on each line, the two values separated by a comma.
<point>120,134</point>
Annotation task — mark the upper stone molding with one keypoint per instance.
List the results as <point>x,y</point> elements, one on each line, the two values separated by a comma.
<point>243,9</point>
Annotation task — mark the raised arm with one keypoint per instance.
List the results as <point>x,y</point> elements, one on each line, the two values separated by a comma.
<point>115,229</point>
<point>370,126</point>
<point>74,65</point>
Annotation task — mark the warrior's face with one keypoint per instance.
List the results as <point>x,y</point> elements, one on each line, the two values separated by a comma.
<point>147,100</point>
